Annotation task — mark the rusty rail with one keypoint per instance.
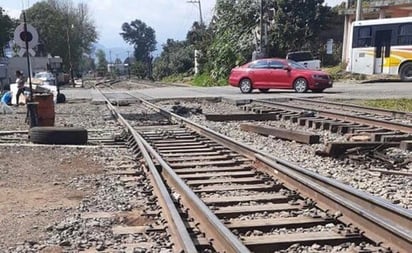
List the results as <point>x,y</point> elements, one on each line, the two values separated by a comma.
<point>224,240</point>
<point>384,223</point>
<point>178,229</point>
<point>340,116</point>
<point>382,112</point>
<point>380,220</point>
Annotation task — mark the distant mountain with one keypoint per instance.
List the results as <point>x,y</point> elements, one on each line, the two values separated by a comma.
<point>113,52</point>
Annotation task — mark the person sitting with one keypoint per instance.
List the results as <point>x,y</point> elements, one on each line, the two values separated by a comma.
<point>6,98</point>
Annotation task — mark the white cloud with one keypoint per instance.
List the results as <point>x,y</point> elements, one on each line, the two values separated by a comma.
<point>14,13</point>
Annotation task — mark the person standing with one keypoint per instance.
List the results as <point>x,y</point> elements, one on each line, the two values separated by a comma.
<point>20,85</point>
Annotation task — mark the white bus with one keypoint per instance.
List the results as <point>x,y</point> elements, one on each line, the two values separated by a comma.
<point>382,46</point>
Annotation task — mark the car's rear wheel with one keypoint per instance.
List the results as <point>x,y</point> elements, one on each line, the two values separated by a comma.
<point>300,85</point>
<point>245,85</point>
<point>405,72</point>
<point>264,90</point>
<point>317,90</point>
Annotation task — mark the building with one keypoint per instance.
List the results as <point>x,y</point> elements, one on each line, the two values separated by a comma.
<point>373,10</point>
<point>37,64</point>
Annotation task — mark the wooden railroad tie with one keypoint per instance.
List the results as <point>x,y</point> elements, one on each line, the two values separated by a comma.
<point>285,134</point>
<point>242,116</point>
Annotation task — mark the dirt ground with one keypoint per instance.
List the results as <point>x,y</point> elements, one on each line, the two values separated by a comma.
<point>36,189</point>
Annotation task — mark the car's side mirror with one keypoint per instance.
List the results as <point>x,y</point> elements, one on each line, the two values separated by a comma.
<point>288,68</point>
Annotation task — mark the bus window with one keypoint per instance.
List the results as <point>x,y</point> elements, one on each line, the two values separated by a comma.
<point>405,34</point>
<point>364,37</point>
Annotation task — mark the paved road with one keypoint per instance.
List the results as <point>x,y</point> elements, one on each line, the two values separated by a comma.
<point>341,90</point>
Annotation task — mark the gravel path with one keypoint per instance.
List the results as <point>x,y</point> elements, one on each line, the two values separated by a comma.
<point>60,199</point>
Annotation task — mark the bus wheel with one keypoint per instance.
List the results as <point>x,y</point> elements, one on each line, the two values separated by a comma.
<point>406,72</point>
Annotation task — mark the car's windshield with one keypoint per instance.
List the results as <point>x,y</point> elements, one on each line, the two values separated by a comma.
<point>295,65</point>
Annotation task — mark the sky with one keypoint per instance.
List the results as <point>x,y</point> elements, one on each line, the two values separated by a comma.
<point>169,18</point>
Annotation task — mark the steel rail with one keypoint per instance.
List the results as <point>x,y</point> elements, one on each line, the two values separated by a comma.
<point>177,227</point>
<point>340,116</point>
<point>224,239</point>
<point>381,221</point>
<point>367,109</point>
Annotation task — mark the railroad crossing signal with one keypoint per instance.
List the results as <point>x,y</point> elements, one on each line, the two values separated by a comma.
<point>31,36</point>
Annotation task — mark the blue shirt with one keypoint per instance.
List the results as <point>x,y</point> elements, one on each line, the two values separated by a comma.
<point>6,98</point>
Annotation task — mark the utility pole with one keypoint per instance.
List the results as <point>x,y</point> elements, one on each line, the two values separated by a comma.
<point>200,9</point>
<point>358,10</point>
<point>70,54</point>
<point>261,30</point>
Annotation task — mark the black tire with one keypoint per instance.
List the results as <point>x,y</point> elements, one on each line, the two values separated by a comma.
<point>300,85</point>
<point>317,91</point>
<point>405,72</point>
<point>245,85</point>
<point>58,135</point>
<point>264,90</point>
<point>61,98</point>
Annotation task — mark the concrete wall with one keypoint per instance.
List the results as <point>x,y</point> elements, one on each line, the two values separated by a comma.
<point>20,63</point>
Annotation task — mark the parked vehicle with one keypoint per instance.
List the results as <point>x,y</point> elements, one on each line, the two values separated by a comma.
<point>305,58</point>
<point>45,78</point>
<point>275,73</point>
<point>381,47</point>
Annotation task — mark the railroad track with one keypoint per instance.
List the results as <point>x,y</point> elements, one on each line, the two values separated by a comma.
<point>131,83</point>
<point>232,198</point>
<point>339,121</point>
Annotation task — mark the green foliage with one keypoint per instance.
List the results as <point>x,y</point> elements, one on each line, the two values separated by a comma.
<point>62,25</point>
<point>337,72</point>
<point>176,78</point>
<point>6,30</point>
<point>402,104</point>
<point>297,25</point>
<point>206,79</point>
<point>140,70</point>
<point>177,57</point>
<point>101,63</point>
<point>143,39</point>
<point>233,38</point>
<point>141,36</point>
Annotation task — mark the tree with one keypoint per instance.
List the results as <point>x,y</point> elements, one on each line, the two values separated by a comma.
<point>61,26</point>
<point>176,58</point>
<point>233,41</point>
<point>200,37</point>
<point>6,30</point>
<point>143,39</point>
<point>101,63</point>
<point>297,25</point>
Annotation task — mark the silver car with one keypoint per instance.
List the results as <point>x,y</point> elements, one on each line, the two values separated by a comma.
<point>46,78</point>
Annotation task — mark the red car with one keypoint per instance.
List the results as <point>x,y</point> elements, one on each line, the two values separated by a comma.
<point>274,73</point>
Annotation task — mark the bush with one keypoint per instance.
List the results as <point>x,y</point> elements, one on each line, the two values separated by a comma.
<point>339,72</point>
<point>206,79</point>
